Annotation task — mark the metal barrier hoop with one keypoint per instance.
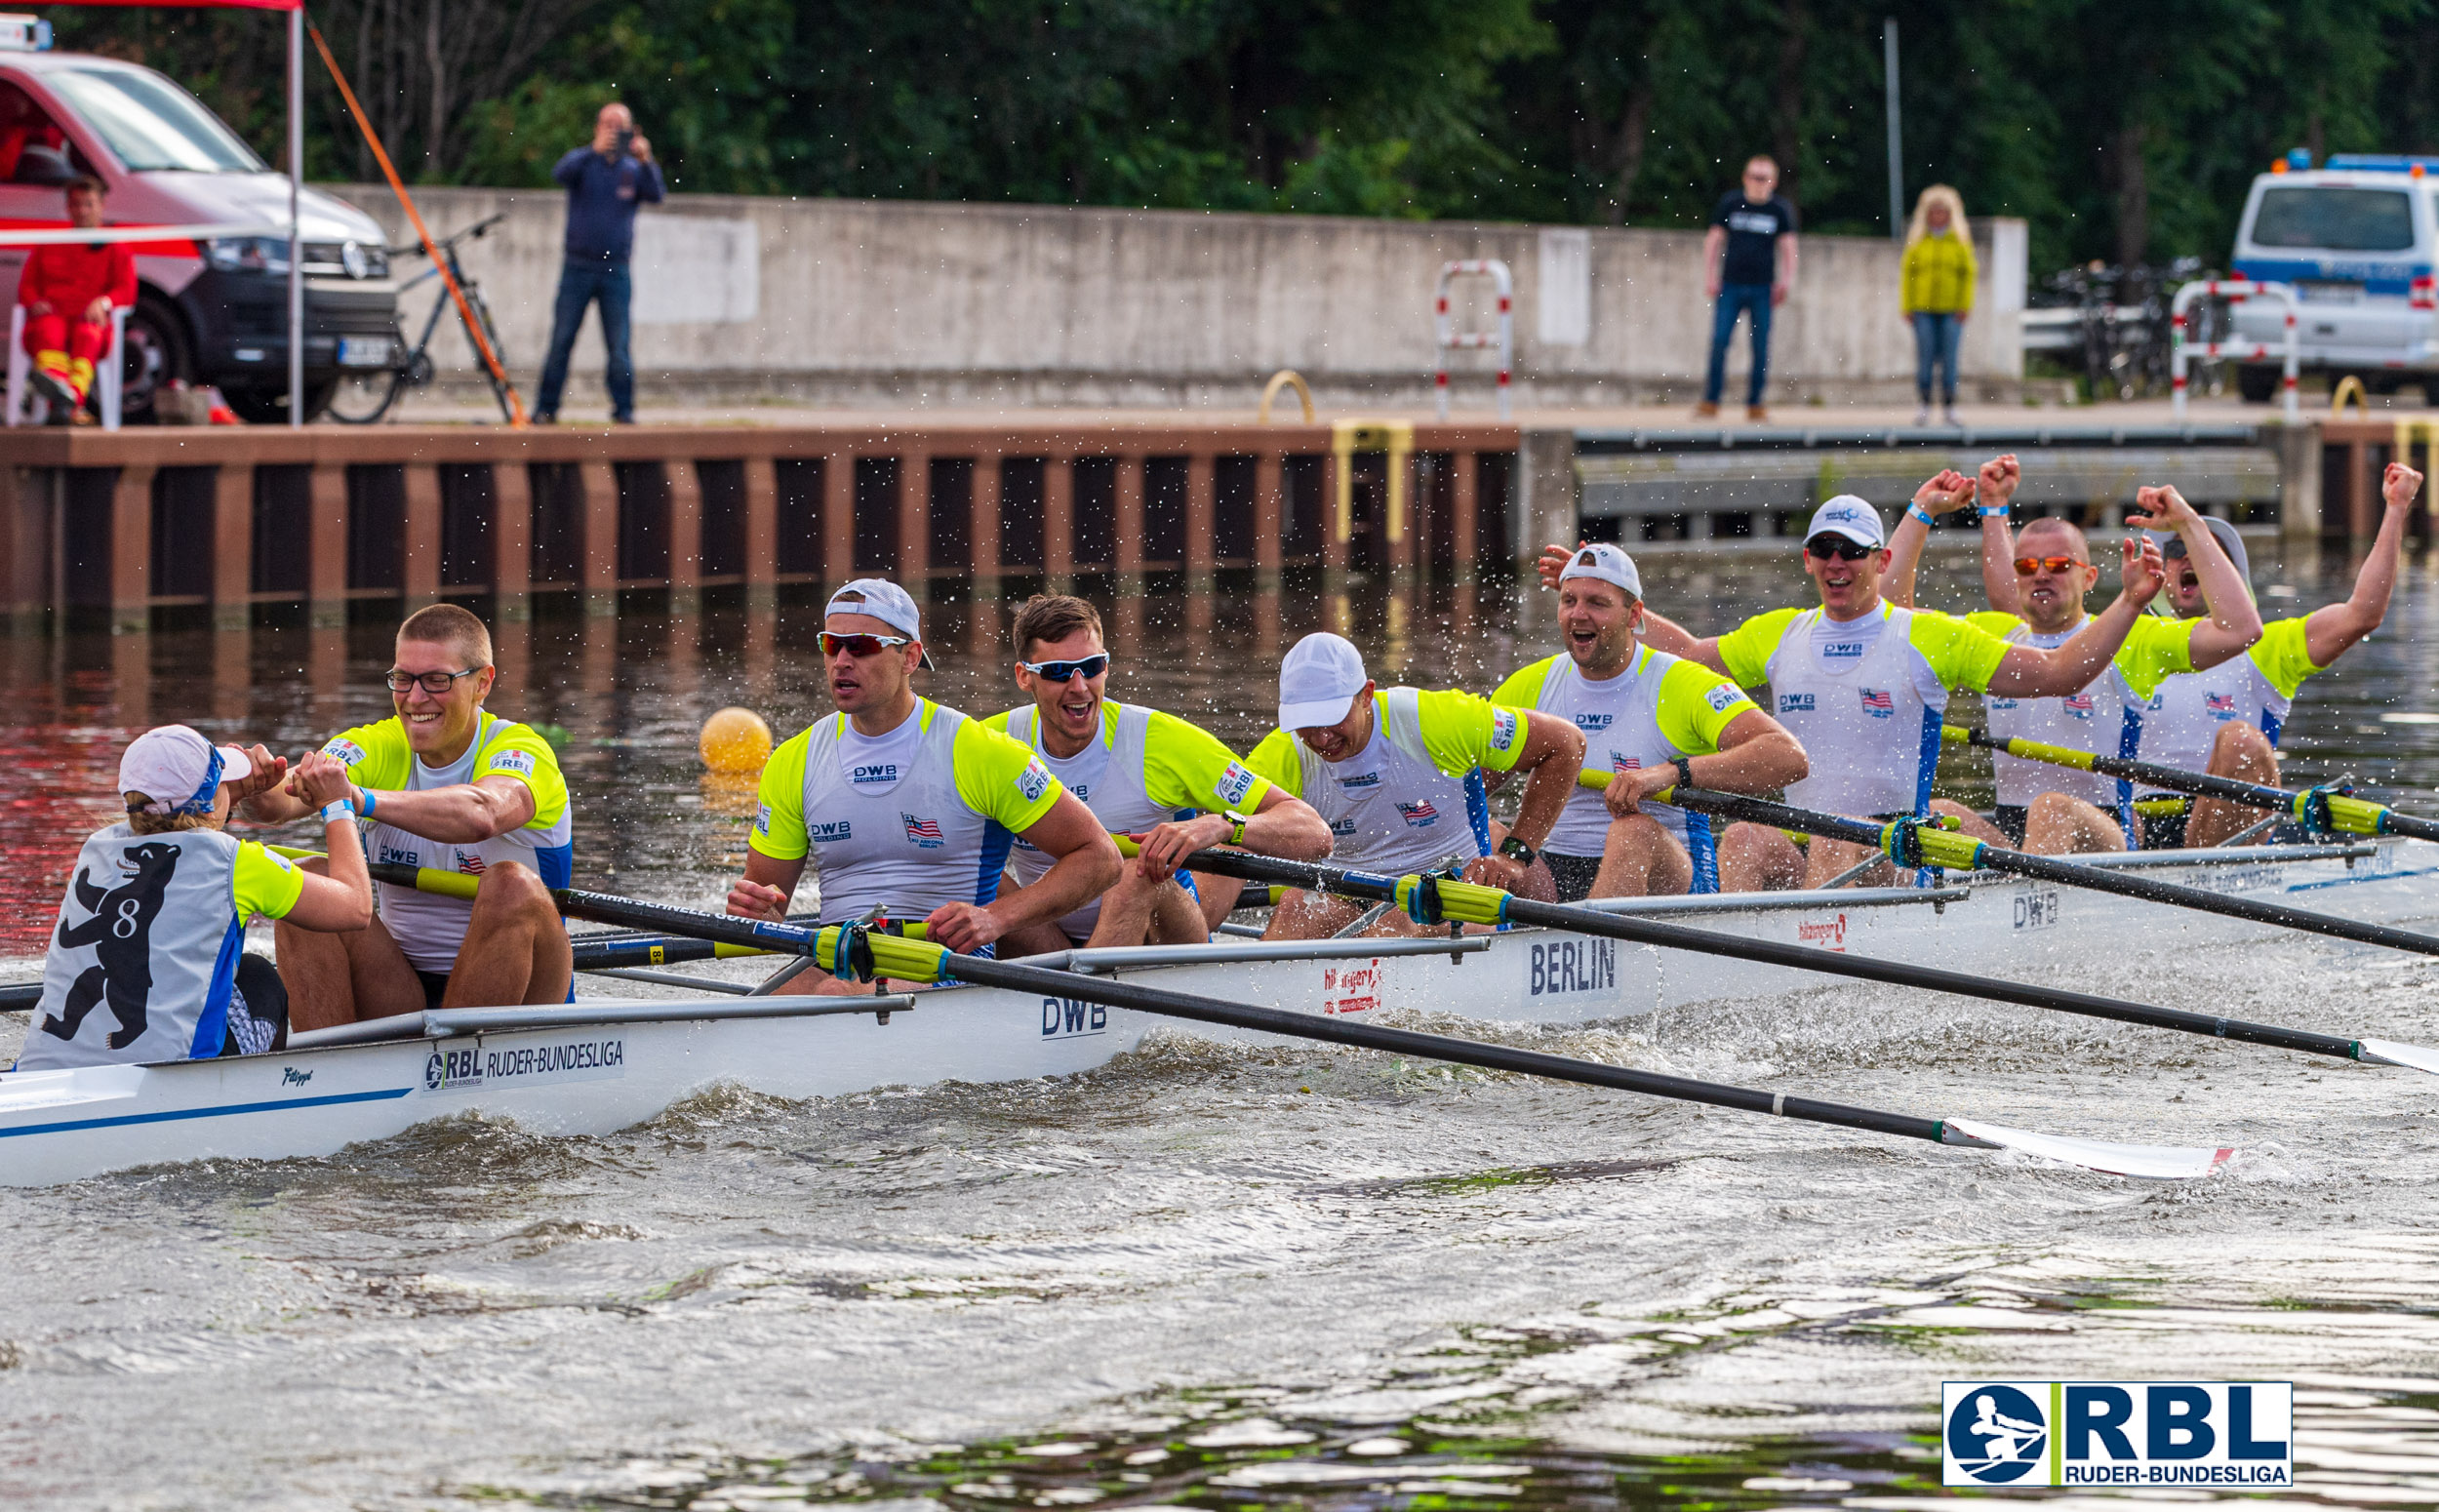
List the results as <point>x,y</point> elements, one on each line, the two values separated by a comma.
<point>1449,336</point>
<point>2235,291</point>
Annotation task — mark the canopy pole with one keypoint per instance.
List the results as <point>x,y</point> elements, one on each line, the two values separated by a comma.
<point>296,239</point>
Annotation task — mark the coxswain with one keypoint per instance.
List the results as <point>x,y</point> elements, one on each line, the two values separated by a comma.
<point>444,784</point>
<point>1652,721</point>
<point>1862,683</point>
<point>2036,580</point>
<point>69,292</point>
<point>1141,772</point>
<point>912,808</point>
<point>153,931</point>
<point>2225,721</point>
<point>1400,775</point>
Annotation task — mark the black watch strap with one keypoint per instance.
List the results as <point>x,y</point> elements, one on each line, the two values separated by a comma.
<point>1685,772</point>
<point>1517,851</point>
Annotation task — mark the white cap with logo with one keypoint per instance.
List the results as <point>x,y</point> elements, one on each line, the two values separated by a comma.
<point>179,769</point>
<point>1319,680</point>
<point>1851,517</point>
<point>1608,563</point>
<point>886,602</point>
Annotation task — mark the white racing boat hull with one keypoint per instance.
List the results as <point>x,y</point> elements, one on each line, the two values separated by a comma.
<point>595,1078</point>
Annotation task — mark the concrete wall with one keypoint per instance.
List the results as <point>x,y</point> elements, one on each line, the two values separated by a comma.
<point>880,302</point>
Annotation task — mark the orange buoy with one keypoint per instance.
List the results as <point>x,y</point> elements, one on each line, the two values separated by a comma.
<point>735,740</point>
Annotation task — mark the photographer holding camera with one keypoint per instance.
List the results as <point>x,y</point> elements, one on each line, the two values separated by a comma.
<point>605,183</point>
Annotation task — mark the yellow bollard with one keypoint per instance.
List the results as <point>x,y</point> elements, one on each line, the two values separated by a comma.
<point>734,742</point>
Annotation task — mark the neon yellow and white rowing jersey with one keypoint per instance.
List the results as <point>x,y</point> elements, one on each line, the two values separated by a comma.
<point>427,927</point>
<point>1865,696</point>
<point>1145,767</point>
<point>1413,794</point>
<point>1661,707</point>
<point>903,821</point>
<point>2105,719</point>
<point>2181,720</point>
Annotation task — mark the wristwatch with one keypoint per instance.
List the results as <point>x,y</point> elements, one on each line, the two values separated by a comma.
<point>1685,772</point>
<point>1237,826</point>
<point>1517,851</point>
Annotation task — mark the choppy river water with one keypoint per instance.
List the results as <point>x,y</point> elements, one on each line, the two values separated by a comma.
<point>1209,1276</point>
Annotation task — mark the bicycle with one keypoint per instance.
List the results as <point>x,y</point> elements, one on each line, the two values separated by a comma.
<point>366,394</point>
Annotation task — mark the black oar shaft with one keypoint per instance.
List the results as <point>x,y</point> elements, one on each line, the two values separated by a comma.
<point>1678,937</point>
<point>2072,874</point>
<point>633,913</point>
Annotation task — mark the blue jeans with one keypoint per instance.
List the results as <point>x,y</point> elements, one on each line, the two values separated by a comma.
<point>580,283</point>
<point>1936,335</point>
<point>1752,298</point>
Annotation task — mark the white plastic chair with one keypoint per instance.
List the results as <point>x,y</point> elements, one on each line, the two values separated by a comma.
<point>109,375</point>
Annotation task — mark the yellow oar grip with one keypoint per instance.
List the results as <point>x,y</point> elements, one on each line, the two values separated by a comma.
<point>2028,750</point>
<point>428,879</point>
<point>1592,777</point>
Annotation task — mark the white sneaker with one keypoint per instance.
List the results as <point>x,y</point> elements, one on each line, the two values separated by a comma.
<point>1947,417</point>
<point>1922,416</point>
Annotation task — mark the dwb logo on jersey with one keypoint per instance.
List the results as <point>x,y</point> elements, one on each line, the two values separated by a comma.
<point>2018,1433</point>
<point>1795,704</point>
<point>874,772</point>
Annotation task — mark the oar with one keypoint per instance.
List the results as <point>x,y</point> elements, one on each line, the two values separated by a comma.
<point>855,952</point>
<point>2315,807</point>
<point>1438,900</point>
<point>1912,843</point>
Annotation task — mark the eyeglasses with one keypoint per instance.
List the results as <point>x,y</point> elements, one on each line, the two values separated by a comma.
<point>859,645</point>
<point>1827,545</point>
<point>1090,667</point>
<point>2026,566</point>
<point>437,684</point>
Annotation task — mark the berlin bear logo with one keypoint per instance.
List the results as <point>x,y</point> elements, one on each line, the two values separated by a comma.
<point>120,933</point>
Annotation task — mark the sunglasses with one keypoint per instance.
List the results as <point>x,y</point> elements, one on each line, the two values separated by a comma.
<point>2175,550</point>
<point>1825,546</point>
<point>861,646</point>
<point>1090,667</point>
<point>437,684</point>
<point>2026,566</point>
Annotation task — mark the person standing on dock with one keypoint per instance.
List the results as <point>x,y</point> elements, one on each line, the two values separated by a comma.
<point>1650,719</point>
<point>2225,721</point>
<point>1401,776</point>
<point>447,784</point>
<point>153,931</point>
<point>1748,267</point>
<point>2036,581</point>
<point>1140,772</point>
<point>606,180</point>
<point>1862,683</point>
<point>913,807</point>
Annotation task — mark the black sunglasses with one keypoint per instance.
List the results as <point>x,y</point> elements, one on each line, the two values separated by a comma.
<point>1090,667</point>
<point>1828,544</point>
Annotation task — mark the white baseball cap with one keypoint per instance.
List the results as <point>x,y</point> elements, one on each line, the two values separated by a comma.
<point>1606,562</point>
<point>1851,517</point>
<point>886,602</point>
<point>179,769</point>
<point>1319,680</point>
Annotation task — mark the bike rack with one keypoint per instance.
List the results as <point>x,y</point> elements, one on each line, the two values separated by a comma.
<point>1449,336</point>
<point>2235,291</point>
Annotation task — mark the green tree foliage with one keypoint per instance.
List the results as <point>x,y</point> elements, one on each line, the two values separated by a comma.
<point>2118,131</point>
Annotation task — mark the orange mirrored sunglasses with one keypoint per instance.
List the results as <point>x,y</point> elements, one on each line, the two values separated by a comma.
<point>2026,566</point>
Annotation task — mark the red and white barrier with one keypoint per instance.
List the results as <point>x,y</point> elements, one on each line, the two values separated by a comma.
<point>2235,291</point>
<point>1449,336</point>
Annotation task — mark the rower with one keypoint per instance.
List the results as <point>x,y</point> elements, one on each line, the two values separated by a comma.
<point>153,927</point>
<point>1137,769</point>
<point>443,784</point>
<point>2226,721</point>
<point>1651,720</point>
<point>1862,683</point>
<point>1398,773</point>
<point>2036,582</point>
<point>913,806</point>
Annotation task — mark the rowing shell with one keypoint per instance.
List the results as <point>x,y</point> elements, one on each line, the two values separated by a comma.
<point>599,1065</point>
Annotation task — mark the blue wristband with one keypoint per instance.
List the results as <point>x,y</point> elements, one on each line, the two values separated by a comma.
<point>1988,510</point>
<point>369,800</point>
<point>337,810</point>
<point>1917,512</point>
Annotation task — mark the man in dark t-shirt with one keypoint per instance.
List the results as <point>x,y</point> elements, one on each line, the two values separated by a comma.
<point>605,183</point>
<point>1748,258</point>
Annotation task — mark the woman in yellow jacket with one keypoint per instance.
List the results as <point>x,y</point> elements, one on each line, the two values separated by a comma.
<point>1939,292</point>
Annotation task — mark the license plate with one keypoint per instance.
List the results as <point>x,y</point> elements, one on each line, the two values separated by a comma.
<point>359,351</point>
<point>2329,294</point>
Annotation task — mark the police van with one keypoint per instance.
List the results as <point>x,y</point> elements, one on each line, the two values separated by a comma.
<point>208,312</point>
<point>2356,239</point>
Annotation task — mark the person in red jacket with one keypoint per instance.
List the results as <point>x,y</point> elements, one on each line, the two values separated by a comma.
<point>69,292</point>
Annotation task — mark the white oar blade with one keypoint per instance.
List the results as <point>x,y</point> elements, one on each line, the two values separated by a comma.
<point>2391,1053</point>
<point>2152,1162</point>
